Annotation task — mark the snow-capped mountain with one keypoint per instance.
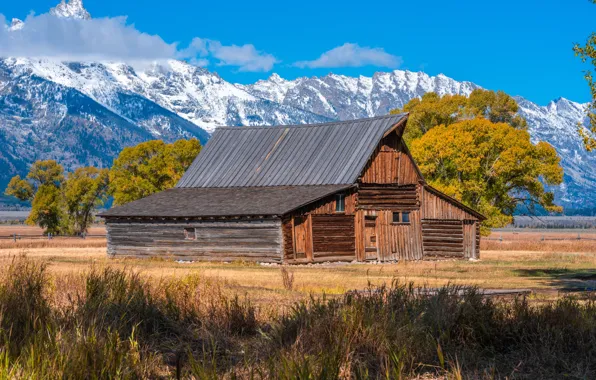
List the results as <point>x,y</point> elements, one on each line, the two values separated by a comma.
<point>557,123</point>
<point>72,9</point>
<point>84,113</point>
<point>342,97</point>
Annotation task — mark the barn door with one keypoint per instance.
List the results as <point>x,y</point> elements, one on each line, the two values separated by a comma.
<point>370,237</point>
<point>299,237</point>
<point>469,238</point>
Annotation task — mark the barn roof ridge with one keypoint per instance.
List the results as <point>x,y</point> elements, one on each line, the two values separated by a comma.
<point>314,125</point>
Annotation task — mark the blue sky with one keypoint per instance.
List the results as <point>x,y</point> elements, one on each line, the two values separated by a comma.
<point>521,47</point>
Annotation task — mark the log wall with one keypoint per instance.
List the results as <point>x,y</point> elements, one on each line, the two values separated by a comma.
<point>443,238</point>
<point>333,238</point>
<point>251,240</point>
<point>400,198</point>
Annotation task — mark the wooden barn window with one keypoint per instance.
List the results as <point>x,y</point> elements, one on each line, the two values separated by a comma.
<point>340,203</point>
<point>190,234</point>
<point>401,218</point>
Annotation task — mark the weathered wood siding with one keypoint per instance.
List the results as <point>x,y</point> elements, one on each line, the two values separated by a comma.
<point>470,239</point>
<point>394,241</point>
<point>251,239</point>
<point>287,238</point>
<point>434,207</point>
<point>327,205</point>
<point>443,238</point>
<point>477,240</point>
<point>391,164</point>
<point>400,198</point>
<point>333,238</point>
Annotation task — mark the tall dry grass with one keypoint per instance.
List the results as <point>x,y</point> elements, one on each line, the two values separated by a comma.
<point>115,323</point>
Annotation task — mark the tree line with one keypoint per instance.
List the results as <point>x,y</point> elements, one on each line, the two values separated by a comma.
<point>476,149</point>
<point>65,203</point>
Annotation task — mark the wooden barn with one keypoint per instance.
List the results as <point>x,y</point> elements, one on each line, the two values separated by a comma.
<point>339,191</point>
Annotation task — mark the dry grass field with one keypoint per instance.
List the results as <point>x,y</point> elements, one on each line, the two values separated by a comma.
<point>521,260</point>
<point>73,312</point>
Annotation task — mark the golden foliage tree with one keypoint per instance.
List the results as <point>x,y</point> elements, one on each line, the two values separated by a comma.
<point>150,167</point>
<point>492,167</point>
<point>587,53</point>
<point>84,191</point>
<point>42,188</point>
<point>60,205</point>
<point>478,150</point>
<point>432,110</point>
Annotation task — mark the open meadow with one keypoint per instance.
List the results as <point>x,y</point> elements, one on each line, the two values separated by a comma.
<point>69,311</point>
<point>521,260</point>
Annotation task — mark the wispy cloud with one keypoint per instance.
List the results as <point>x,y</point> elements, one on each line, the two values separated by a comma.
<point>112,39</point>
<point>353,55</point>
<point>245,57</point>
<point>47,36</point>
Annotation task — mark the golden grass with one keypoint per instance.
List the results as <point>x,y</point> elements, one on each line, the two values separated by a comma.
<point>548,273</point>
<point>539,246</point>
<point>520,261</point>
<point>9,230</point>
<point>57,242</point>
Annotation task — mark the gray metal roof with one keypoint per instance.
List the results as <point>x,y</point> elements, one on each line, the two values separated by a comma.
<point>238,201</point>
<point>319,154</point>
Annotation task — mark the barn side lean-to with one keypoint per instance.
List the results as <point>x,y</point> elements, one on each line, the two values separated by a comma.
<point>297,194</point>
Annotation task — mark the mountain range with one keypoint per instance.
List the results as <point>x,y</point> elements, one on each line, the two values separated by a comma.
<point>84,113</point>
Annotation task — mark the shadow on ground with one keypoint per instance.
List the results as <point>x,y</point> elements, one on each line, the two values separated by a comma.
<point>570,280</point>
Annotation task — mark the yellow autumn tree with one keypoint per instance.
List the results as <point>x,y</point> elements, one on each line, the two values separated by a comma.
<point>587,53</point>
<point>432,110</point>
<point>491,167</point>
<point>150,167</point>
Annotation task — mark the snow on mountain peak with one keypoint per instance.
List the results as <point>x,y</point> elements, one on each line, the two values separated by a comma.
<point>16,24</point>
<point>275,78</point>
<point>157,97</point>
<point>71,9</point>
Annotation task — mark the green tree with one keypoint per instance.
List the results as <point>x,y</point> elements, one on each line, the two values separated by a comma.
<point>42,188</point>
<point>47,210</point>
<point>20,189</point>
<point>587,53</point>
<point>84,191</point>
<point>491,167</point>
<point>150,167</point>
<point>60,205</point>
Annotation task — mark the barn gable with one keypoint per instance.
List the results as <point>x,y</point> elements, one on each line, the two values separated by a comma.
<point>303,155</point>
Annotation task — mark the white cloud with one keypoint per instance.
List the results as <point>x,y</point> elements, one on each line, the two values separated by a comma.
<point>46,36</point>
<point>245,57</point>
<point>353,55</point>
<point>111,39</point>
